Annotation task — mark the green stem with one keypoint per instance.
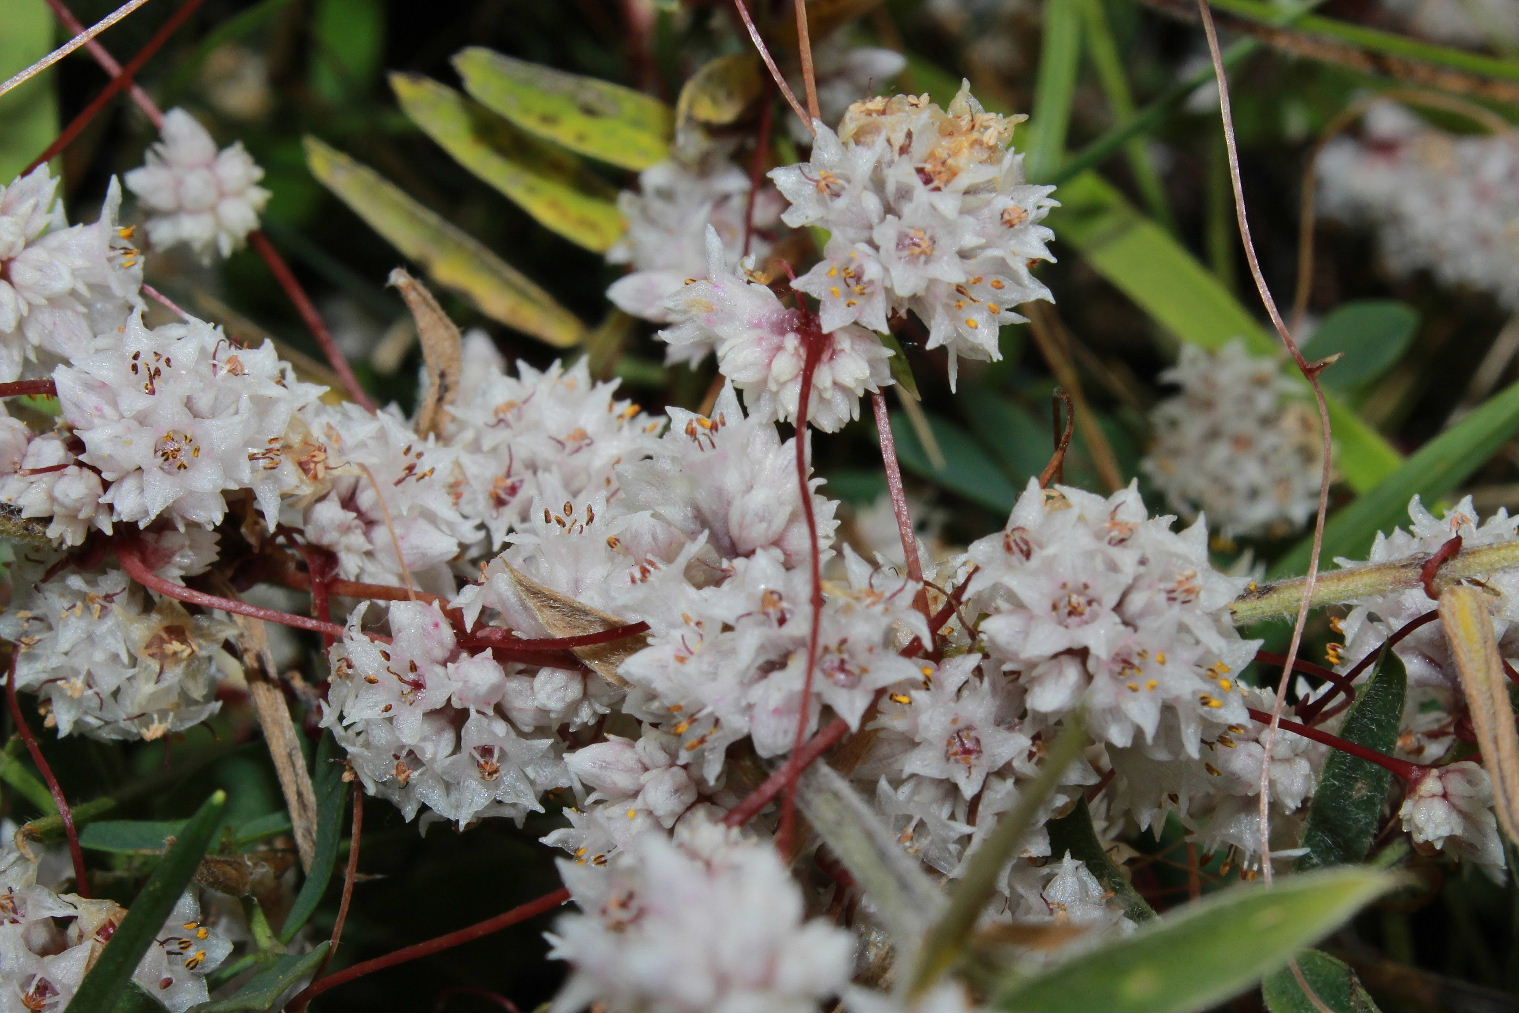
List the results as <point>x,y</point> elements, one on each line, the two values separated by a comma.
<point>1281,599</point>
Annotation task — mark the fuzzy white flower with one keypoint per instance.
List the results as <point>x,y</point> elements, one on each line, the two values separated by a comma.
<point>929,213</point>
<point>660,929</point>
<point>1450,808</point>
<point>1094,603</point>
<point>1235,444</point>
<point>60,285</point>
<point>173,417</point>
<point>1438,202</point>
<point>109,660</point>
<point>420,722</point>
<point>677,203</point>
<point>206,199</point>
<point>762,347</point>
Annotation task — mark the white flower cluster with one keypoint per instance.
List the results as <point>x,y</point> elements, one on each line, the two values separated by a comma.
<point>927,211</point>
<point>48,941</point>
<point>1438,202</point>
<point>196,195</point>
<point>1235,444</point>
<point>60,284</point>
<point>704,921</point>
<point>108,659</point>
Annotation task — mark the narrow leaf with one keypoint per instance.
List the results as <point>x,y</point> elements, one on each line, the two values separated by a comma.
<point>29,114</point>
<point>331,794</point>
<point>1347,805</point>
<point>1332,981</point>
<point>722,91</point>
<point>967,469</point>
<point>269,986</point>
<point>127,837</point>
<point>544,180</point>
<point>898,888</point>
<point>109,979</point>
<point>1204,952</point>
<point>454,259</point>
<point>1440,466</point>
<point>596,118</point>
<point>1370,335</point>
<point>29,786</point>
<point>1055,90</point>
<point>1466,612</point>
<point>1162,278</point>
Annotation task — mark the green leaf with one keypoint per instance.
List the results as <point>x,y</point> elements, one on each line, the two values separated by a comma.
<point>1074,834</point>
<point>1439,467</point>
<point>15,773</point>
<point>107,982</point>
<point>453,259</point>
<point>1347,805</point>
<point>260,827</point>
<point>1203,952</point>
<point>129,837</point>
<point>1055,89</point>
<point>29,114</point>
<point>545,181</point>
<point>1371,334</point>
<point>348,47</point>
<point>722,91</point>
<point>967,468</point>
<point>1168,283</point>
<point>597,118</point>
<point>331,796</point>
<point>265,989</point>
<point>1008,431</point>
<point>1332,981</point>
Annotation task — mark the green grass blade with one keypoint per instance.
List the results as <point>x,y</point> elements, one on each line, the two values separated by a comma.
<point>29,114</point>
<point>331,796</point>
<point>1439,467</point>
<point>451,257</point>
<point>1347,804</point>
<point>109,980</point>
<point>546,181</point>
<point>968,469</point>
<point>265,989</point>
<point>597,118</point>
<point>1151,268</point>
<point>1055,89</point>
<point>1204,952</point>
<point>1332,981</point>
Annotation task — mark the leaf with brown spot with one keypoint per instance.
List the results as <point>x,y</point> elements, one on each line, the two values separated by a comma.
<point>442,350</point>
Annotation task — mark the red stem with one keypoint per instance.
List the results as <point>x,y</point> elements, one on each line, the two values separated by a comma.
<point>1315,712</point>
<point>898,494</point>
<point>313,319</point>
<point>120,81</point>
<point>785,776</point>
<point>131,561</point>
<point>495,636</point>
<point>479,930</point>
<point>19,388</point>
<point>812,335</point>
<point>76,854</point>
<point>107,62</point>
<point>1406,771</point>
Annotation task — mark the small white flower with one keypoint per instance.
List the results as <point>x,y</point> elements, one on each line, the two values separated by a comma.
<point>207,199</point>
<point>1451,808</point>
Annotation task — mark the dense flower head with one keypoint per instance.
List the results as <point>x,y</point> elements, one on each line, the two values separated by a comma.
<point>423,723</point>
<point>60,285</point>
<point>109,660</point>
<point>762,346</point>
<point>1438,202</point>
<point>1424,652</point>
<point>705,921</point>
<point>1450,808</point>
<point>1235,444</point>
<point>928,212</point>
<point>173,417</point>
<point>550,433</point>
<point>206,199</point>
<point>1094,603</point>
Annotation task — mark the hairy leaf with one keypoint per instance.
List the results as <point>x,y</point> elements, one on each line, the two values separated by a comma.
<point>1332,981</point>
